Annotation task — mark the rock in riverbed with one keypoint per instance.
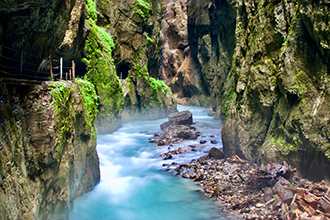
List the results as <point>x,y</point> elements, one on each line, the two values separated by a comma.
<point>179,118</point>
<point>254,193</point>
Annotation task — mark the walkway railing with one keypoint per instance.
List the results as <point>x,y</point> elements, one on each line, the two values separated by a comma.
<point>13,64</point>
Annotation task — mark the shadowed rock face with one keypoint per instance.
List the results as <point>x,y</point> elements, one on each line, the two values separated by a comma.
<point>197,44</point>
<point>265,66</point>
<point>42,168</point>
<point>136,58</point>
<point>277,99</point>
<point>36,29</point>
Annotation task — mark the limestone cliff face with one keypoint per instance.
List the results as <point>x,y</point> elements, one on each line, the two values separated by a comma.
<point>115,39</point>
<point>277,96</point>
<point>135,29</point>
<point>265,66</point>
<point>197,45</point>
<point>45,161</point>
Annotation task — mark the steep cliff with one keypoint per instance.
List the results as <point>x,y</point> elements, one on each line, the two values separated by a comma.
<point>265,66</point>
<point>277,96</point>
<point>48,148</point>
<point>121,50</point>
<point>198,41</point>
<point>48,154</point>
<point>117,41</point>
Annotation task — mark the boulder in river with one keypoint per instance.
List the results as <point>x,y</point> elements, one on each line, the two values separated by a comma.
<point>178,118</point>
<point>215,153</point>
<point>214,141</point>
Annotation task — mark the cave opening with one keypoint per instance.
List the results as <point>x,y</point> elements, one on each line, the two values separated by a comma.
<point>123,71</point>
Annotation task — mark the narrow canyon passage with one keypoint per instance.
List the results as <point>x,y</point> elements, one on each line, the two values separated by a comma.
<point>134,184</point>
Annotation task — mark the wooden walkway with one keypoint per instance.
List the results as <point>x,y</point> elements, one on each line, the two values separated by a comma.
<point>20,68</point>
<point>22,82</point>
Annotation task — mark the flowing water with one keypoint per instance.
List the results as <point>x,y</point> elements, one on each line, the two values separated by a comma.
<point>135,186</point>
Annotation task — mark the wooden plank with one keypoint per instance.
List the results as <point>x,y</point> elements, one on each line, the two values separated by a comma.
<point>73,71</point>
<point>21,81</point>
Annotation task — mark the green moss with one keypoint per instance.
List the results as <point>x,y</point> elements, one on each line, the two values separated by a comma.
<point>91,11</point>
<point>229,97</point>
<point>105,2</point>
<point>285,145</point>
<point>299,86</point>
<point>158,87</point>
<point>90,100</point>
<point>148,39</point>
<point>273,79</point>
<point>143,8</point>
<point>63,104</point>
<point>100,65</point>
<point>239,27</point>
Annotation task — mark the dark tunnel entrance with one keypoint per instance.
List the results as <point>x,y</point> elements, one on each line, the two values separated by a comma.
<point>122,70</point>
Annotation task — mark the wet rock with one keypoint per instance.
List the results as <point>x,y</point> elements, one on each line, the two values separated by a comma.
<point>325,205</point>
<point>211,114</point>
<point>208,110</point>
<point>182,118</point>
<point>215,153</point>
<point>161,143</point>
<point>268,194</point>
<point>168,157</point>
<point>277,203</point>
<point>179,118</point>
<point>214,141</point>
<point>202,141</point>
<point>185,135</point>
<point>188,173</point>
<point>165,125</point>
<point>279,184</point>
<point>285,195</point>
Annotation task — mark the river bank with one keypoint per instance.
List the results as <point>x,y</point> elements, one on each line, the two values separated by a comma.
<point>244,189</point>
<point>135,186</point>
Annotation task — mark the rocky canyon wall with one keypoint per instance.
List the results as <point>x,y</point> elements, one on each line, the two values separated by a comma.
<point>264,67</point>
<point>277,96</point>
<point>48,150</point>
<point>48,154</point>
<point>126,76</point>
<point>198,41</point>
<point>115,45</point>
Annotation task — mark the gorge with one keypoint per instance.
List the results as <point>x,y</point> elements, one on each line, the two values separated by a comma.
<point>262,67</point>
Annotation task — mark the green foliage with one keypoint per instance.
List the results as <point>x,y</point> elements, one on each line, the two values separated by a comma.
<point>91,11</point>
<point>101,69</point>
<point>105,2</point>
<point>63,104</point>
<point>239,27</point>
<point>148,39</point>
<point>61,93</point>
<point>143,8</point>
<point>300,87</point>
<point>273,79</point>
<point>141,71</point>
<point>90,99</point>
<point>158,87</point>
<point>229,97</point>
<point>285,146</point>
<point>88,90</point>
